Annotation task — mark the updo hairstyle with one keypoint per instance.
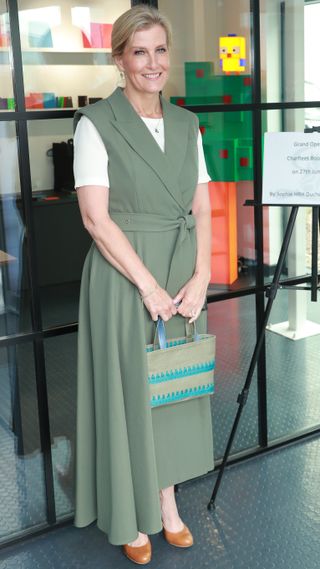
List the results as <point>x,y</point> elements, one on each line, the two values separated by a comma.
<point>139,17</point>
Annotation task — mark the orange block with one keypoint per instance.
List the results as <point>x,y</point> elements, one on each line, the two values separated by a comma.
<point>224,257</point>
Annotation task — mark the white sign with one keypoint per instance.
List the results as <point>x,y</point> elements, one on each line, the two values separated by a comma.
<point>291,168</point>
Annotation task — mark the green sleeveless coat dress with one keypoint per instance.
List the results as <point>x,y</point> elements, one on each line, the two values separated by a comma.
<point>125,450</point>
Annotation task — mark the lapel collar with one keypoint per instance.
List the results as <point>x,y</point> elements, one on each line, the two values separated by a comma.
<point>166,164</point>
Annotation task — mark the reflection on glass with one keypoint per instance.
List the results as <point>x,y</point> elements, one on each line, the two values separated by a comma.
<point>293,372</point>
<point>210,57</point>
<point>233,322</point>
<point>6,92</point>
<point>311,61</point>
<point>289,48</point>
<point>14,303</point>
<point>66,52</point>
<point>298,261</point>
<point>294,317</point>
<point>61,240</point>
<point>61,355</point>
<point>22,495</point>
<point>210,63</point>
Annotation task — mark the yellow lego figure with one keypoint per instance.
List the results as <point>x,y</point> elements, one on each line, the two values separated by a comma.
<point>232,53</point>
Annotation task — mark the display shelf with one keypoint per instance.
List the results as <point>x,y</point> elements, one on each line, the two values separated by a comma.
<point>50,197</point>
<point>55,50</point>
<point>49,56</point>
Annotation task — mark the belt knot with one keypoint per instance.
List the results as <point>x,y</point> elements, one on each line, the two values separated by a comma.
<point>188,220</point>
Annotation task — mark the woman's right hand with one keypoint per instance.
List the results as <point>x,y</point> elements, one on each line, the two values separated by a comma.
<point>159,303</point>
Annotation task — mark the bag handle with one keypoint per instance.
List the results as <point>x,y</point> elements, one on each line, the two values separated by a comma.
<point>160,332</point>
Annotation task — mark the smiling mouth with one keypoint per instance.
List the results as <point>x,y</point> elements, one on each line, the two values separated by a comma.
<point>152,76</point>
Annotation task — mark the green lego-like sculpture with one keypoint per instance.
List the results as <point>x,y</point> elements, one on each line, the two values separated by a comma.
<point>227,137</point>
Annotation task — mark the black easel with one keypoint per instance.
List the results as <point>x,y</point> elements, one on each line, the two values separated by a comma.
<point>271,293</point>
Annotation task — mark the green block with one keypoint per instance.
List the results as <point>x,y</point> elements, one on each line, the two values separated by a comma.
<point>231,89</point>
<point>203,119</point>
<point>197,75</point>
<point>244,161</point>
<point>198,69</point>
<point>211,135</point>
<point>220,159</point>
<point>234,117</point>
<point>199,100</point>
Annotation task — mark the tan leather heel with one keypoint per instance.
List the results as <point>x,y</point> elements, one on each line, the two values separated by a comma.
<point>140,554</point>
<point>181,538</point>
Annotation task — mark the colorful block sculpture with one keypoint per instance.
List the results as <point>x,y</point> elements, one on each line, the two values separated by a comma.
<point>232,52</point>
<point>227,143</point>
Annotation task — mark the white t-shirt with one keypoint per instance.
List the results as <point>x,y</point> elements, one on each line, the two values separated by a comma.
<point>91,158</point>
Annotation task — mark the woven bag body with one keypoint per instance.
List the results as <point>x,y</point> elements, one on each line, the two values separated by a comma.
<point>184,369</point>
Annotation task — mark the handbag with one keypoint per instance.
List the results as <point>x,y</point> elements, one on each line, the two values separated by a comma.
<point>182,368</point>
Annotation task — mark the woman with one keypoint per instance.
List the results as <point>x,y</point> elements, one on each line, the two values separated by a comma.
<point>137,172</point>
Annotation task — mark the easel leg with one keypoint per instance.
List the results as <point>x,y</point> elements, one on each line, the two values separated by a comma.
<point>243,396</point>
<point>314,254</point>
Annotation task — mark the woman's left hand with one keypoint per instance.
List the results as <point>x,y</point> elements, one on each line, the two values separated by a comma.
<point>191,297</point>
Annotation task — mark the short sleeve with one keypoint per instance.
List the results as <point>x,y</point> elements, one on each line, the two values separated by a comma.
<point>203,173</point>
<point>90,163</point>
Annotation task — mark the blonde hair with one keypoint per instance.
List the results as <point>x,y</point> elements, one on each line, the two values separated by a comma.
<point>137,18</point>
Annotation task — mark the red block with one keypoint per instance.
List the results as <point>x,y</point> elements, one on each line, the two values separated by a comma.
<point>34,101</point>
<point>86,42</point>
<point>100,35</point>
<point>181,102</point>
<point>227,99</point>
<point>199,72</point>
<point>244,162</point>
<point>202,129</point>
<point>247,81</point>
<point>224,153</point>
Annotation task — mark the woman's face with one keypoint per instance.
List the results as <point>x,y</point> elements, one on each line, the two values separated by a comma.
<point>145,60</point>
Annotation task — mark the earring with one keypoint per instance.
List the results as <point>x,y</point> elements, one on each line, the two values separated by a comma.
<point>120,80</point>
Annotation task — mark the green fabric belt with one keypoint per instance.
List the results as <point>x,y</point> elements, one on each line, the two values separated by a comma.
<point>152,222</point>
<point>149,222</point>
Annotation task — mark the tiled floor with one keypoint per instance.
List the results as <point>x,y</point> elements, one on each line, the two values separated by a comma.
<point>293,404</point>
<point>267,517</point>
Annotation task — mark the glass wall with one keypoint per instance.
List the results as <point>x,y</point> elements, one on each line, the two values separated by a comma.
<point>67,64</point>
<point>61,355</point>
<point>61,240</point>
<point>6,91</point>
<point>14,283</point>
<point>22,490</point>
<point>66,51</point>
<point>233,323</point>
<point>294,327</point>
<point>210,64</point>
<point>216,34</point>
